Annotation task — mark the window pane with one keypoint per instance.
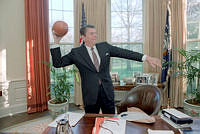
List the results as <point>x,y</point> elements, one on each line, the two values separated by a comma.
<point>126,28</point>
<point>193,19</point>
<point>56,15</point>
<point>50,18</point>
<point>125,35</point>
<point>56,4</point>
<point>116,19</point>
<point>193,45</point>
<point>116,35</point>
<point>62,10</point>
<point>125,68</point>
<point>136,34</point>
<point>68,5</point>
<point>118,5</point>
<point>193,30</point>
<point>135,3</point>
<point>50,35</point>
<point>67,18</point>
<point>126,5</point>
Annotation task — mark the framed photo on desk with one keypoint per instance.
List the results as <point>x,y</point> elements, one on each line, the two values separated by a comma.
<point>153,79</point>
<point>143,80</point>
<point>148,78</point>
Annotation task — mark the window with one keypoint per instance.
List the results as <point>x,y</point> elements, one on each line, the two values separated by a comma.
<point>193,31</point>
<point>62,10</point>
<point>127,32</point>
<point>193,25</point>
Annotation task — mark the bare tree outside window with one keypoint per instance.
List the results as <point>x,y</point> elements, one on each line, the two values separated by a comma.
<point>193,24</point>
<point>193,31</point>
<point>127,32</point>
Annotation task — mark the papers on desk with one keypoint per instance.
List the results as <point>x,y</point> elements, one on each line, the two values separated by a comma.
<point>176,118</point>
<point>160,131</point>
<point>108,125</point>
<point>176,113</point>
<point>174,124</point>
<point>137,117</point>
<point>73,119</point>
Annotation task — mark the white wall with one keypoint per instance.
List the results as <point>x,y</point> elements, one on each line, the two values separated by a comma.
<point>12,43</point>
<point>12,36</point>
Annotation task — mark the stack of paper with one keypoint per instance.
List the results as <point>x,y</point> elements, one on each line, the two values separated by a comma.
<point>111,125</point>
<point>73,118</point>
<point>176,118</point>
<point>160,131</point>
<point>140,117</point>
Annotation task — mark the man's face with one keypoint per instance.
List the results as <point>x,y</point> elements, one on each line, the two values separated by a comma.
<point>90,37</point>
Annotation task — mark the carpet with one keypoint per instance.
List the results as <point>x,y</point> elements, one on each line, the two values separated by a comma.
<point>35,126</point>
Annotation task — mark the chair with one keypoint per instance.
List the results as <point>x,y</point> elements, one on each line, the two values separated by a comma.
<point>146,97</point>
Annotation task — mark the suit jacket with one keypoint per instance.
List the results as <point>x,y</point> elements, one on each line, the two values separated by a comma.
<point>89,75</point>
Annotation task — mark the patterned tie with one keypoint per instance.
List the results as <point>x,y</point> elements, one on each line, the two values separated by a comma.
<point>95,59</point>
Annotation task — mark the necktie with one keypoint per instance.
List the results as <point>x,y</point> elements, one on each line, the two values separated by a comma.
<point>95,60</point>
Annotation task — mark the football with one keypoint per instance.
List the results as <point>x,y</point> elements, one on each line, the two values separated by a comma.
<point>60,28</point>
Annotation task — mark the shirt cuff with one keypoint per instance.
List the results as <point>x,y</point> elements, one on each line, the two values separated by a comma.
<point>144,57</point>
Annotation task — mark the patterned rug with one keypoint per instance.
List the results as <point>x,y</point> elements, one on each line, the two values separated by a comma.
<point>36,126</point>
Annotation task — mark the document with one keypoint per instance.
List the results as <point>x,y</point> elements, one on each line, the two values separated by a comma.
<point>160,131</point>
<point>109,125</point>
<point>73,118</point>
<point>137,117</point>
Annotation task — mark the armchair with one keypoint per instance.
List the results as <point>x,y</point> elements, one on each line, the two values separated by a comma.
<point>146,97</point>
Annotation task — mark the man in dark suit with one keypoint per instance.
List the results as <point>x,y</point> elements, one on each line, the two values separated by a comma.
<point>93,61</point>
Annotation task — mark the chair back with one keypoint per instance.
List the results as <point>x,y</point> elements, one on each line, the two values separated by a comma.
<point>146,97</point>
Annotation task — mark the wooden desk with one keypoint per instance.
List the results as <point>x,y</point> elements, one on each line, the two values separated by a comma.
<point>86,124</point>
<point>128,87</point>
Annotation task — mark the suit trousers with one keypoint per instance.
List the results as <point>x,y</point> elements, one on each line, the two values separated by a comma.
<point>107,106</point>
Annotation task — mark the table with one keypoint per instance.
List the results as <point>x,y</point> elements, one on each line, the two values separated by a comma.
<point>86,124</point>
<point>129,87</point>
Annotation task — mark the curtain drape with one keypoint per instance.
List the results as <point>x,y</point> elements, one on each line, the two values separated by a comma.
<point>154,28</point>
<point>37,52</point>
<point>178,35</point>
<point>96,14</point>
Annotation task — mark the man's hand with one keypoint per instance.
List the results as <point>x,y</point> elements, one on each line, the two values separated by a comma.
<point>153,61</point>
<point>56,38</point>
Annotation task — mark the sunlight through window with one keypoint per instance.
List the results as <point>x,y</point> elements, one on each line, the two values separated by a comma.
<point>29,44</point>
<point>3,65</point>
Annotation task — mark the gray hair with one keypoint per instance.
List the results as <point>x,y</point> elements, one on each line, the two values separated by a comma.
<point>83,30</point>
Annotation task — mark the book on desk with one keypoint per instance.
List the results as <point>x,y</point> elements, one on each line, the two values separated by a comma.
<point>177,117</point>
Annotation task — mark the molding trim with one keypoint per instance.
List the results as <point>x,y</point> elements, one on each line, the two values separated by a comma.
<point>13,100</point>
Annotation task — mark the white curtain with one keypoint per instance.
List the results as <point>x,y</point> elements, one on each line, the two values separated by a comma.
<point>178,35</point>
<point>154,25</point>
<point>154,28</point>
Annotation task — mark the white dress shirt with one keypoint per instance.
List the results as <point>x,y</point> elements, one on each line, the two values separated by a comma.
<point>90,53</point>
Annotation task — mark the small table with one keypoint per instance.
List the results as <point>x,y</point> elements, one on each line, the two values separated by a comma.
<point>86,124</point>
